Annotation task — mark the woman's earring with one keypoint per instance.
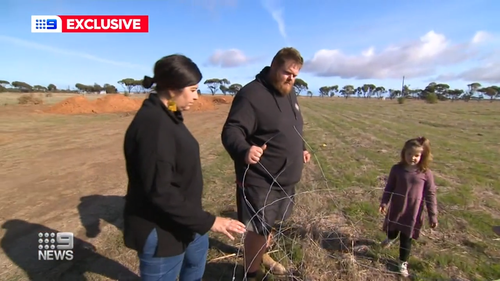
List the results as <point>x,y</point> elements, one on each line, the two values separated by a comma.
<point>172,106</point>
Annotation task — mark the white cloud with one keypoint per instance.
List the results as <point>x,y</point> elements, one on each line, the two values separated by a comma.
<point>481,36</point>
<point>42,47</point>
<point>418,58</point>
<point>275,8</point>
<point>488,71</point>
<point>229,58</point>
<point>487,68</point>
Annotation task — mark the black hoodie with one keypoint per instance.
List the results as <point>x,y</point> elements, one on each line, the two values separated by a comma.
<point>260,115</point>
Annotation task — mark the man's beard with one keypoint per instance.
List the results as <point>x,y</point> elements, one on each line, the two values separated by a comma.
<point>283,89</point>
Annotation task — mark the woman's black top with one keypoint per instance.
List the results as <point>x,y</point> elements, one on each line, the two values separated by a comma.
<point>165,183</point>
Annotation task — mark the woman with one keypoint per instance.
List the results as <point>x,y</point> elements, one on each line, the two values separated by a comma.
<point>164,219</point>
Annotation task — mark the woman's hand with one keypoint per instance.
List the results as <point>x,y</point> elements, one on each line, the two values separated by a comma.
<point>227,225</point>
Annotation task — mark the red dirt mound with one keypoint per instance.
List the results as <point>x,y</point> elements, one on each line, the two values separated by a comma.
<point>106,104</point>
<point>203,104</point>
<point>112,104</point>
<point>218,100</point>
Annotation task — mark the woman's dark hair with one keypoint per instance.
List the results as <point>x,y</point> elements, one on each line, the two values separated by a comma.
<point>173,72</point>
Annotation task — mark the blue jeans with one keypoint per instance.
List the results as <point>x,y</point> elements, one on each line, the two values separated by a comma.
<point>188,266</point>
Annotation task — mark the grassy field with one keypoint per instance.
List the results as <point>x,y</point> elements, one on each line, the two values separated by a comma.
<point>66,173</point>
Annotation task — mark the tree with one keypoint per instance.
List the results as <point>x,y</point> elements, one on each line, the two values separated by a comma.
<point>22,86</point>
<point>324,91</point>
<point>130,83</point>
<point>82,88</point>
<point>471,91</point>
<point>358,92</point>
<point>441,91</point>
<point>367,90</point>
<point>110,89</point>
<point>347,91</point>
<point>492,92</point>
<point>394,93</point>
<point>223,89</point>
<point>429,89</point>
<point>379,91</point>
<point>455,94</point>
<point>334,90</point>
<point>300,86</point>
<point>234,89</point>
<point>214,84</point>
<point>329,90</point>
<point>52,88</point>
<point>39,88</point>
<point>4,83</point>
<point>97,88</point>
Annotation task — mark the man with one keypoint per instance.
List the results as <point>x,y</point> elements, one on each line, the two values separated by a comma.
<point>263,136</point>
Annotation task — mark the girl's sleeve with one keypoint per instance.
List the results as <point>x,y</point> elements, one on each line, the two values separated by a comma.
<point>430,197</point>
<point>389,186</point>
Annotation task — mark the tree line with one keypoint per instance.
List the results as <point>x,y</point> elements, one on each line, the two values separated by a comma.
<point>23,87</point>
<point>130,85</point>
<point>440,90</point>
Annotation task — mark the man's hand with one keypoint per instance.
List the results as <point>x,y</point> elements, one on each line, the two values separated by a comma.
<point>254,154</point>
<point>383,209</point>
<point>307,156</point>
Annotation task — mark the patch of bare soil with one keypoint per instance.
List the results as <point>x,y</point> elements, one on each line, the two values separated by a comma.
<point>118,103</point>
<point>71,177</point>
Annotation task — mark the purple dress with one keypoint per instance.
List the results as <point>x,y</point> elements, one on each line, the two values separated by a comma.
<point>405,193</point>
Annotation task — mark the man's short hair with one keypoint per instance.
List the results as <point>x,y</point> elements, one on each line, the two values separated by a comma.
<point>287,54</point>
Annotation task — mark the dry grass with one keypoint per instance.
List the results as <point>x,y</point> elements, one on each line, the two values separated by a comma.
<point>67,174</point>
<point>30,99</point>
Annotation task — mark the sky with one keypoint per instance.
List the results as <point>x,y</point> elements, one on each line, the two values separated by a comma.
<point>352,42</point>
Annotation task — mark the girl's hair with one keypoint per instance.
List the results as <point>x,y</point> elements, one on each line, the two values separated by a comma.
<point>173,72</point>
<point>419,143</point>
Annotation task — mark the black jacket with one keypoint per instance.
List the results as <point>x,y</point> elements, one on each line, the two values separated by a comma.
<point>260,115</point>
<point>165,183</point>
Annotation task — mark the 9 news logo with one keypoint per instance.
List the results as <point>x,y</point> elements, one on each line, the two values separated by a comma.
<point>46,24</point>
<point>55,246</point>
<point>89,24</point>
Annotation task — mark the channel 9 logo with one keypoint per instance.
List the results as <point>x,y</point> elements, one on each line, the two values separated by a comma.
<point>46,24</point>
<point>55,246</point>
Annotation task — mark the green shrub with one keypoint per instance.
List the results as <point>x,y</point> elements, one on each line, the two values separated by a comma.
<point>401,100</point>
<point>431,98</point>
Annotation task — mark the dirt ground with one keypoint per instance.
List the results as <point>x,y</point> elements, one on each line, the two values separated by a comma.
<point>63,172</point>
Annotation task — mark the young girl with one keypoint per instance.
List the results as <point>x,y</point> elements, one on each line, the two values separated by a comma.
<point>409,185</point>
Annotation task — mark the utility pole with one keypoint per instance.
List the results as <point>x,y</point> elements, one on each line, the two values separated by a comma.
<point>403,87</point>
